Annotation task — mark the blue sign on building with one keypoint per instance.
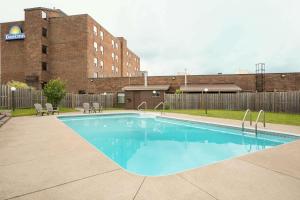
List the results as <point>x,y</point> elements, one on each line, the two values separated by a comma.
<point>15,33</point>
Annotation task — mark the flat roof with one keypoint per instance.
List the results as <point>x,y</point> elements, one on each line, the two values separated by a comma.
<point>145,88</point>
<point>218,87</point>
<point>48,9</point>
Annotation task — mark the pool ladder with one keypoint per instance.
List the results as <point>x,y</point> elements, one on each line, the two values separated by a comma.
<point>248,112</point>
<point>163,107</point>
<point>141,104</point>
<point>257,120</point>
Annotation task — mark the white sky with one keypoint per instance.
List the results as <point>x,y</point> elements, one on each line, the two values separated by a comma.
<point>204,36</point>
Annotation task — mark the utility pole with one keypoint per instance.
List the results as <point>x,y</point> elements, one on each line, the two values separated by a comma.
<point>185,77</point>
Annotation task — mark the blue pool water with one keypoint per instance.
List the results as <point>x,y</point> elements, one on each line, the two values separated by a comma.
<point>153,146</point>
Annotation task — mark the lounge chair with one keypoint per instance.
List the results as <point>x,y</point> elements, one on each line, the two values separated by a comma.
<point>97,107</point>
<point>39,109</point>
<point>50,109</point>
<point>87,108</point>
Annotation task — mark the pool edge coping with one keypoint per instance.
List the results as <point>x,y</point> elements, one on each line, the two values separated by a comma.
<point>183,118</point>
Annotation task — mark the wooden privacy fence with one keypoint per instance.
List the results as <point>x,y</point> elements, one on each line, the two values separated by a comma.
<point>269,101</point>
<point>25,98</point>
<point>76,100</point>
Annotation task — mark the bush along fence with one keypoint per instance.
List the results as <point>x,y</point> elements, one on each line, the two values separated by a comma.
<point>269,101</point>
<point>25,98</point>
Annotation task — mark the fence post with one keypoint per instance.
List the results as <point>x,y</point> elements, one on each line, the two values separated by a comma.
<point>9,102</point>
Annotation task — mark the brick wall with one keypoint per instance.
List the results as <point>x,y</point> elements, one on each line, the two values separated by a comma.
<point>117,59</point>
<point>134,98</point>
<point>33,46</point>
<point>12,55</point>
<point>109,49</point>
<point>274,81</point>
<point>68,50</point>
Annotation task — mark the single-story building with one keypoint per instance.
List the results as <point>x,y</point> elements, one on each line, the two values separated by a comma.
<point>136,94</point>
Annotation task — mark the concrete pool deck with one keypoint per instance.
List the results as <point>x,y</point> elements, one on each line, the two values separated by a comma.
<point>42,158</point>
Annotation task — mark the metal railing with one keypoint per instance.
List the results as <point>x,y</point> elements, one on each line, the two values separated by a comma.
<point>257,120</point>
<point>143,103</point>
<point>248,111</point>
<point>163,108</point>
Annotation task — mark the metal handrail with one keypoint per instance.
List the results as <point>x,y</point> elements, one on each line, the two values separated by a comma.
<point>257,119</point>
<point>160,103</point>
<point>144,102</point>
<point>245,115</point>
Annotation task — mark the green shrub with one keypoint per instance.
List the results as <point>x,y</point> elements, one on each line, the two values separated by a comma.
<point>178,91</point>
<point>18,84</point>
<point>55,91</point>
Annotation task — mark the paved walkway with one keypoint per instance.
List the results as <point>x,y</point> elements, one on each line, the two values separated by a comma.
<point>42,158</point>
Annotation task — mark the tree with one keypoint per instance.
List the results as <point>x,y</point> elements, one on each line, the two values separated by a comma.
<point>18,84</point>
<point>55,91</point>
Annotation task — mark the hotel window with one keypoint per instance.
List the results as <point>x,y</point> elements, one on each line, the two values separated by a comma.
<point>44,32</point>
<point>44,66</point>
<point>117,46</point>
<point>44,49</point>
<point>101,49</point>
<point>112,68</point>
<point>127,53</point>
<point>127,64</point>
<point>95,30</point>
<point>117,58</point>
<point>113,56</point>
<point>113,43</point>
<point>96,62</point>
<point>95,74</point>
<point>101,35</point>
<point>44,15</point>
<point>117,69</point>
<point>95,46</point>
<point>127,73</point>
<point>101,64</point>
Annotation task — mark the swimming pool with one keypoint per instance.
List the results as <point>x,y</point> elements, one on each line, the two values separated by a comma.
<point>151,145</point>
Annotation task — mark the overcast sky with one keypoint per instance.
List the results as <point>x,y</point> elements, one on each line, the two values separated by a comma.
<point>204,36</point>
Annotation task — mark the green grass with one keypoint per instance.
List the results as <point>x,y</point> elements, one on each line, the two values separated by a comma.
<point>275,118</point>
<point>31,111</point>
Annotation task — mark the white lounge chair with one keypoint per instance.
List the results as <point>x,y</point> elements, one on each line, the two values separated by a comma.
<point>97,107</point>
<point>39,109</point>
<point>87,108</point>
<point>50,109</point>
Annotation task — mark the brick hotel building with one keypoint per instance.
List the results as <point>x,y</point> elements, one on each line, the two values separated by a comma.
<point>50,44</point>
